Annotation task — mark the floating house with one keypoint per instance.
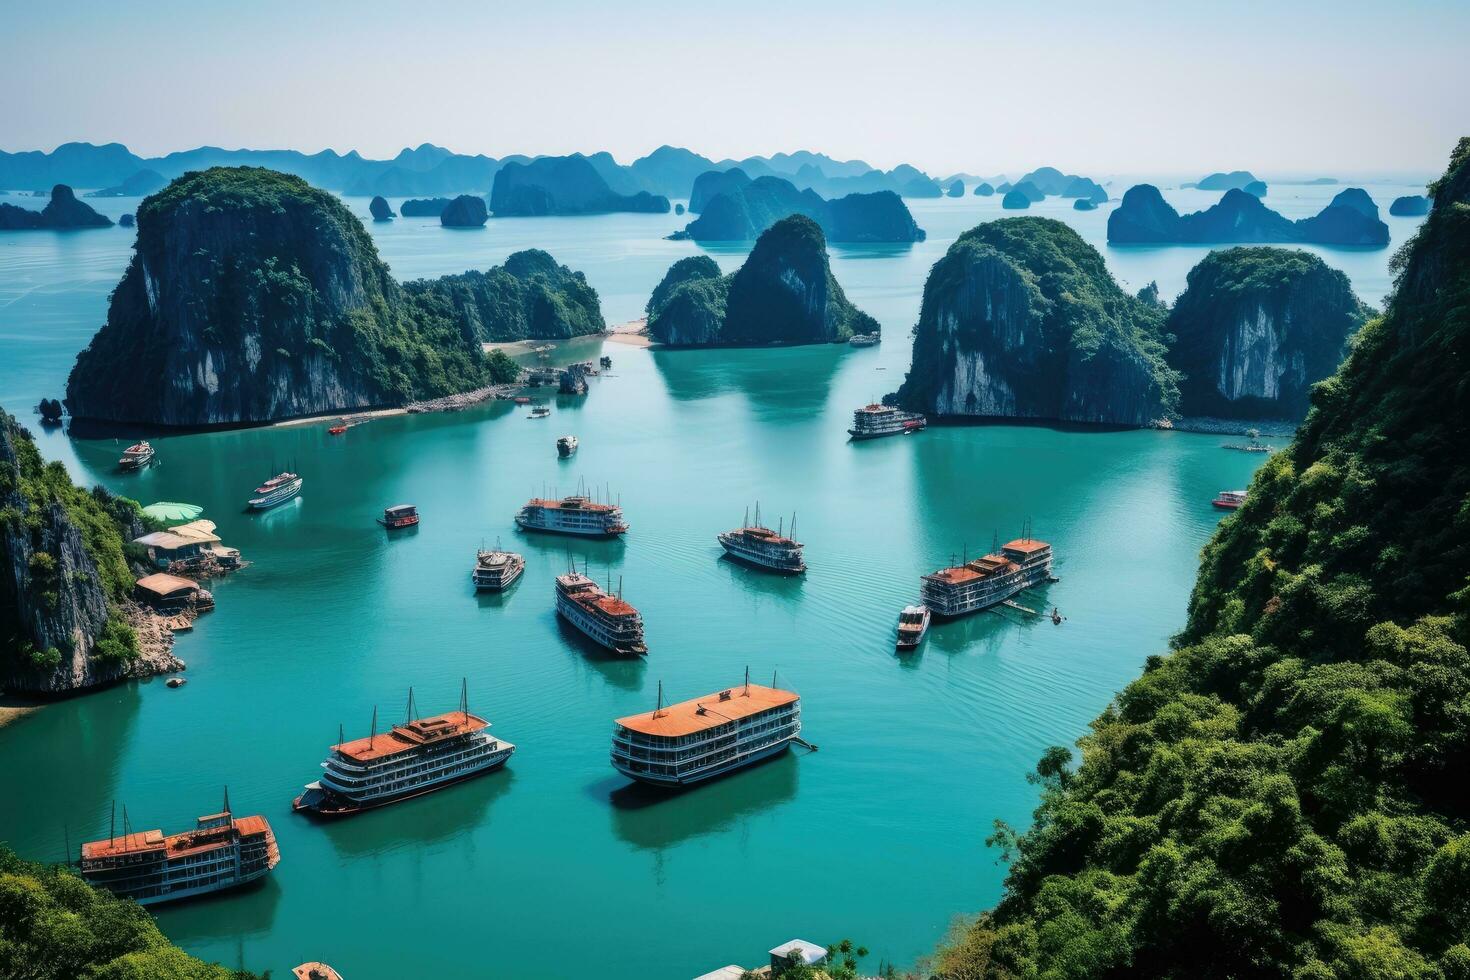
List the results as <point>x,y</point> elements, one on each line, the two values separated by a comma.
<point>192,544</point>
<point>168,593</point>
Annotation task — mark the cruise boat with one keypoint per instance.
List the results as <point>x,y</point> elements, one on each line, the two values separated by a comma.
<point>697,740</point>
<point>874,421</point>
<point>988,580</point>
<point>221,852</point>
<point>572,515</point>
<point>1229,499</point>
<point>913,625</point>
<point>566,446</point>
<point>417,757</point>
<point>496,570</point>
<point>136,456</point>
<point>760,546</point>
<point>399,516</point>
<point>540,412</point>
<point>865,339</point>
<point>603,616</point>
<point>277,490</point>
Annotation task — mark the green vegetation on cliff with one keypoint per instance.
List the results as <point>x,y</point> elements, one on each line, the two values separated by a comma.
<point>1284,794</point>
<point>55,926</point>
<point>529,296</point>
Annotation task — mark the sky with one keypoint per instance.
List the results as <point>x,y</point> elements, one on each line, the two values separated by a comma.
<point>1284,88</point>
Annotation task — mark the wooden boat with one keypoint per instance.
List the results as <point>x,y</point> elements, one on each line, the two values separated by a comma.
<point>913,626</point>
<point>337,429</point>
<point>177,681</point>
<point>136,456</point>
<point>399,516</point>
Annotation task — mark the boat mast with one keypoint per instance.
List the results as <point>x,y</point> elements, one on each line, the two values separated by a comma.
<point>747,680</point>
<point>659,709</point>
<point>464,700</point>
<point>226,810</point>
<point>410,704</point>
<point>373,732</point>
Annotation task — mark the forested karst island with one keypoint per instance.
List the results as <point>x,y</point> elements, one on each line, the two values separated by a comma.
<point>1145,218</point>
<point>784,294</point>
<point>63,211</point>
<point>735,208</point>
<point>563,185</point>
<point>1281,794</point>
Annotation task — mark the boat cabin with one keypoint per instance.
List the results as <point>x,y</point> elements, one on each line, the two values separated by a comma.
<point>166,592</point>
<point>400,515</point>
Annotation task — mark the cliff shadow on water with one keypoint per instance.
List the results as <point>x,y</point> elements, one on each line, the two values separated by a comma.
<point>780,379</point>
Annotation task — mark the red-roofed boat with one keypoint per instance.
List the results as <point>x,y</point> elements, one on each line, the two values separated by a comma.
<point>988,580</point>
<point>603,616</point>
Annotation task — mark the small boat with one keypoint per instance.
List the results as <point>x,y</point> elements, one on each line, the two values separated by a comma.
<point>540,412</point>
<point>136,456</point>
<point>337,429</point>
<point>315,971</point>
<point>176,681</point>
<point>399,516</point>
<point>1229,499</point>
<point>1056,616</point>
<point>496,571</point>
<point>277,490</point>
<point>877,420</point>
<point>913,625</point>
<point>566,445</point>
<point>864,339</point>
<point>755,544</point>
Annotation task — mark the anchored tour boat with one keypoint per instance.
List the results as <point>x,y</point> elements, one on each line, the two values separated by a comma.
<point>566,445</point>
<point>875,421</point>
<point>1229,499</point>
<point>696,740</point>
<point>540,412</point>
<point>221,852</point>
<point>136,456</point>
<point>399,516</point>
<point>577,514</point>
<point>603,616</point>
<point>913,625</point>
<point>988,580</point>
<point>494,571</point>
<point>417,757</point>
<point>277,490</point>
<point>864,339</point>
<point>763,547</point>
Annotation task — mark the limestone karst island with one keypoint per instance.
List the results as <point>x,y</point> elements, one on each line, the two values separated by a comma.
<point>564,490</point>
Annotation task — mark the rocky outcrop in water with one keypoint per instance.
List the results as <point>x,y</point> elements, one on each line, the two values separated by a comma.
<point>140,184</point>
<point>64,580</point>
<point>1021,319</point>
<point>530,297</point>
<point>1256,188</point>
<point>251,297</point>
<point>1357,199</point>
<point>1144,217</point>
<point>1083,204</point>
<point>1085,189</point>
<point>783,294</point>
<point>465,211</point>
<point>956,189</point>
<point>745,209</point>
<point>712,183</point>
<point>380,210</point>
<point>1234,180</point>
<point>1256,328</point>
<point>1015,201</point>
<point>563,185</point>
<point>983,189</point>
<point>1411,206</point>
<point>64,211</point>
<point>1033,193</point>
<point>126,221</point>
<point>431,207</point>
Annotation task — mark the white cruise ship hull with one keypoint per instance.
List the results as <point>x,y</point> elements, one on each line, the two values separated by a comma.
<point>704,775</point>
<point>581,532</point>
<point>328,801</point>
<point>178,894</point>
<point>276,497</point>
<point>751,556</point>
<point>590,627</point>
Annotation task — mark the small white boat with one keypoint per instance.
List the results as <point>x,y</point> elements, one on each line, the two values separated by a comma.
<point>277,490</point>
<point>864,339</point>
<point>496,570</point>
<point>566,446</point>
<point>136,456</point>
<point>1229,499</point>
<point>913,625</point>
<point>540,412</point>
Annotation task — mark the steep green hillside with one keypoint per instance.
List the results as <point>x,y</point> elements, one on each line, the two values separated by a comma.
<point>1285,793</point>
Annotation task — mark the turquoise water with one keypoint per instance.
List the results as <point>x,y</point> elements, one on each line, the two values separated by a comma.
<point>557,863</point>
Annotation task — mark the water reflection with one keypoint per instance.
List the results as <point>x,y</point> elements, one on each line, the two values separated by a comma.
<point>622,672</point>
<point>794,381</point>
<point>760,583</point>
<point>237,913</point>
<point>652,818</point>
<point>452,812</point>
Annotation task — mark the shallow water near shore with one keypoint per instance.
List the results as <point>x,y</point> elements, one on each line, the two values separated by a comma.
<point>556,866</point>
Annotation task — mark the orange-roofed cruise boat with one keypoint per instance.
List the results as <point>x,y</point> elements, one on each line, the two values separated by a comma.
<point>602,616</point>
<point>696,740</point>
<point>577,514</point>
<point>221,852</point>
<point>988,580</point>
<point>408,760</point>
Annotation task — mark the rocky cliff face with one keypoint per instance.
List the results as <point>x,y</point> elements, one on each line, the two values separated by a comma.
<point>784,294</point>
<point>1256,328</point>
<point>1144,217</point>
<point>62,591</point>
<point>1020,319</point>
<point>251,297</point>
<point>380,209</point>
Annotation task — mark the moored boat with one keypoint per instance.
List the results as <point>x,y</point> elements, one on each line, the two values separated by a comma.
<point>602,617</point>
<point>875,421</point>
<point>988,580</point>
<point>1229,499</point>
<point>417,757</point>
<point>913,625</point>
<point>399,516</point>
<point>762,547</point>
<point>277,490</point>
<point>566,446</point>
<point>496,570</point>
<point>706,737</point>
<point>337,429</point>
<point>577,514</point>
<point>136,456</point>
<point>540,412</point>
<point>865,339</point>
<point>221,852</point>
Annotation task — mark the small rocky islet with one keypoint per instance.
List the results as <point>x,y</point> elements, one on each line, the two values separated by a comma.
<point>734,208</point>
<point>62,212</point>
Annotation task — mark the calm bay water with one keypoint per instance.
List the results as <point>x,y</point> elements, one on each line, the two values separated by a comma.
<point>556,865</point>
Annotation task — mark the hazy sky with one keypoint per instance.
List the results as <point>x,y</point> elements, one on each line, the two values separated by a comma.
<point>1118,87</point>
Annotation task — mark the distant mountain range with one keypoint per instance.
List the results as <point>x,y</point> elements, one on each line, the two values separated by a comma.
<point>430,170</point>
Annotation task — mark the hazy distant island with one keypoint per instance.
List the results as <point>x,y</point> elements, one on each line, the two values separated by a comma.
<point>1409,206</point>
<point>64,211</point>
<point>563,185</point>
<point>956,189</point>
<point>983,189</point>
<point>1015,200</point>
<point>1144,217</point>
<point>465,211</point>
<point>1021,319</point>
<point>380,210</point>
<point>431,207</point>
<point>784,293</point>
<point>1256,328</point>
<point>252,296</point>
<point>140,184</point>
<point>1234,180</point>
<point>736,209</point>
<point>1256,188</point>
